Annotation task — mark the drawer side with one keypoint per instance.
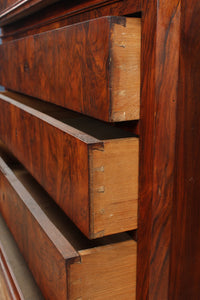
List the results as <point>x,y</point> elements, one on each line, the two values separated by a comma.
<point>105,273</point>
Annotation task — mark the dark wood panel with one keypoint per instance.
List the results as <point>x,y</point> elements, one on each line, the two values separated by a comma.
<point>160,67</point>
<point>65,13</point>
<point>185,248</point>
<point>61,270</point>
<point>88,167</point>
<point>91,67</point>
<point>5,4</point>
<point>11,10</point>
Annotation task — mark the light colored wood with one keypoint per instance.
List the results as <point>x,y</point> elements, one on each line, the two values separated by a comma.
<point>125,73</point>
<point>114,186</point>
<point>111,273</point>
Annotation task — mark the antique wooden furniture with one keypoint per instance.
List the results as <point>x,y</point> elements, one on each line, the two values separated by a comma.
<point>91,67</point>
<point>64,263</point>
<point>101,162</point>
<point>156,99</point>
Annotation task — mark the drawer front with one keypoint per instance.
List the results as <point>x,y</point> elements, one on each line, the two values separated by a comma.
<point>34,239</point>
<point>94,181</point>
<point>63,271</point>
<point>16,280</point>
<point>91,67</point>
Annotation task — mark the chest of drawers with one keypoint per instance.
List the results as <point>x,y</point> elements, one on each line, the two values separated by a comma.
<point>116,148</point>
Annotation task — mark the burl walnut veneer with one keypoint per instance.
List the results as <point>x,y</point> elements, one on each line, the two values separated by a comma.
<point>92,67</point>
<point>64,263</point>
<point>168,244</point>
<point>88,167</point>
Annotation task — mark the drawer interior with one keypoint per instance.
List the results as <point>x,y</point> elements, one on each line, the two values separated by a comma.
<point>85,126</point>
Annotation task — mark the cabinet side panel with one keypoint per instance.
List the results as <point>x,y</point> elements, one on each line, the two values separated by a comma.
<point>185,263</point>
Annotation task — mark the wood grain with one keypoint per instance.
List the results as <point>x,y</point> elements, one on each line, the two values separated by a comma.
<point>59,254</point>
<point>185,247</point>
<point>125,71</point>
<point>12,10</point>
<point>91,67</point>
<point>28,224</point>
<point>112,192</point>
<point>77,160</point>
<point>16,280</point>
<point>65,13</point>
<point>159,78</point>
<point>115,268</point>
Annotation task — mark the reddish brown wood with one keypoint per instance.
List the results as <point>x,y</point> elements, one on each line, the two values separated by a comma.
<point>12,10</point>
<point>6,3</point>
<point>185,248</point>
<point>63,262</point>
<point>79,67</point>
<point>160,66</point>
<point>64,13</point>
<point>167,268</point>
<point>44,248</point>
<point>71,162</point>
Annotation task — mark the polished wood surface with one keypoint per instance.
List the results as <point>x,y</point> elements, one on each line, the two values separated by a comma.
<point>160,70</point>
<point>64,263</point>
<point>41,244</point>
<point>185,245</point>
<point>92,172</point>
<point>91,67</point>
<point>12,10</point>
<point>65,13</point>
<point>168,227</point>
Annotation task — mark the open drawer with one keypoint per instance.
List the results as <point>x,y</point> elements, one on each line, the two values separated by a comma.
<point>16,280</point>
<point>88,167</point>
<point>92,67</point>
<point>64,263</point>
